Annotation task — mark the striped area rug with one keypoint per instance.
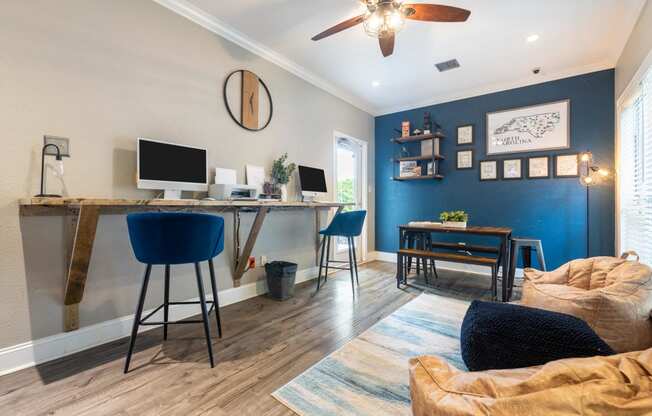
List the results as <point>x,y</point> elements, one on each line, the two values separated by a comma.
<point>369,375</point>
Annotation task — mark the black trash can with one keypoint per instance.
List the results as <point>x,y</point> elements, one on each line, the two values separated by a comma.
<point>280,279</point>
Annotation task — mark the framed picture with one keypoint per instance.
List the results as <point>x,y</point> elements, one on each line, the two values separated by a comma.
<point>488,170</point>
<point>529,129</point>
<point>465,159</point>
<point>465,135</point>
<point>538,167</point>
<point>567,166</point>
<point>513,169</point>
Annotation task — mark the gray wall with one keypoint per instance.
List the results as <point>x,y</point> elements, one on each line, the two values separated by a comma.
<point>636,49</point>
<point>103,73</point>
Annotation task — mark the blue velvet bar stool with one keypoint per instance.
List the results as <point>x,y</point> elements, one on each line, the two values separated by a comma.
<point>169,238</point>
<point>344,224</point>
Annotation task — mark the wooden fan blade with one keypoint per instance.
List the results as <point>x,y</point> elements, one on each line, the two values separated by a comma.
<point>436,13</point>
<point>340,27</point>
<point>387,45</point>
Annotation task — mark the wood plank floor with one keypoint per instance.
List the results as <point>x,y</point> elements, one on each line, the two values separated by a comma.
<point>266,344</point>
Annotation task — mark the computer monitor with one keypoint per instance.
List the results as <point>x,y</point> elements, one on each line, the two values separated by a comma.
<point>312,181</point>
<point>170,167</point>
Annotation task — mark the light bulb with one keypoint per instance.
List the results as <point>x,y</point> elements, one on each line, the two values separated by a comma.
<point>395,20</point>
<point>603,172</point>
<point>585,157</point>
<point>374,22</point>
<point>586,180</point>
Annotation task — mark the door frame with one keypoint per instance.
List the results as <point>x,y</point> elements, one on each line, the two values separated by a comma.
<point>364,179</point>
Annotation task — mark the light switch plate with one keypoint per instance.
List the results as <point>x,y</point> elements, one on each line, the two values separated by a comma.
<point>63,143</point>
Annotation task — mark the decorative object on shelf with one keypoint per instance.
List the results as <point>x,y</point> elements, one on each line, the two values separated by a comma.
<point>513,169</point>
<point>591,175</point>
<point>538,167</point>
<point>567,166</point>
<point>455,219</point>
<point>281,173</point>
<point>58,171</point>
<point>465,135</point>
<point>405,129</point>
<point>465,159</point>
<point>488,170</point>
<point>427,124</point>
<point>429,153</point>
<point>248,100</point>
<point>404,151</point>
<point>408,169</point>
<point>529,129</point>
<point>427,147</point>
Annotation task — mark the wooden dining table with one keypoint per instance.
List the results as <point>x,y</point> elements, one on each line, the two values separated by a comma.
<point>503,234</point>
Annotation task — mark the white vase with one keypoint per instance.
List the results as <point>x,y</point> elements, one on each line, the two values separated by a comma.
<point>284,193</point>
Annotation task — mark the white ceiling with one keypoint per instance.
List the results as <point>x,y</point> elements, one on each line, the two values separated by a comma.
<point>575,36</point>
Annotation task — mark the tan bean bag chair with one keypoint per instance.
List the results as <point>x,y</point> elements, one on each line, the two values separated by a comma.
<point>613,295</point>
<point>616,385</point>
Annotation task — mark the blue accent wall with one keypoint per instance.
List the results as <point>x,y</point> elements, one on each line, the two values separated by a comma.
<point>553,210</point>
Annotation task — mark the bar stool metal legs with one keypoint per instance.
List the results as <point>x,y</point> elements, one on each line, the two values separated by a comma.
<point>139,320</point>
<point>352,261</point>
<point>204,312</point>
<point>139,313</point>
<point>216,302</point>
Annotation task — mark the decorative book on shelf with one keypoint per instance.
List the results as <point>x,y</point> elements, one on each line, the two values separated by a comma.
<point>422,160</point>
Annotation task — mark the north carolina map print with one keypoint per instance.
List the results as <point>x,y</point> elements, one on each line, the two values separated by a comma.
<point>536,125</point>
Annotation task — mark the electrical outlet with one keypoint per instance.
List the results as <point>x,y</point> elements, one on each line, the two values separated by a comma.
<point>63,143</point>
<point>251,264</point>
<point>263,260</point>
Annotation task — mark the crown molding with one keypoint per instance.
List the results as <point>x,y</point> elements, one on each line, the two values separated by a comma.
<point>215,25</point>
<point>499,87</point>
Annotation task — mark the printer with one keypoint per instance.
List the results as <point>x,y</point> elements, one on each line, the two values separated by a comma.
<point>233,192</point>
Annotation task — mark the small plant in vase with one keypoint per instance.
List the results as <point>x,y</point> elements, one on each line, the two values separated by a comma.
<point>281,172</point>
<point>457,219</point>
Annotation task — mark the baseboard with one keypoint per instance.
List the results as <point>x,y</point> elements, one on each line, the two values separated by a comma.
<point>445,265</point>
<point>31,353</point>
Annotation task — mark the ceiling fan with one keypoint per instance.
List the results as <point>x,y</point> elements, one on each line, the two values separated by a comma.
<point>382,19</point>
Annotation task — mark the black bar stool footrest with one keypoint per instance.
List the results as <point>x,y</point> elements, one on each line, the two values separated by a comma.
<point>143,321</point>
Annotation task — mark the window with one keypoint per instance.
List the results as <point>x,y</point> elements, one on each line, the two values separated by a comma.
<point>636,171</point>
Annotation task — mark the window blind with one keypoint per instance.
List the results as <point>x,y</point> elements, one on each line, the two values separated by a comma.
<point>636,172</point>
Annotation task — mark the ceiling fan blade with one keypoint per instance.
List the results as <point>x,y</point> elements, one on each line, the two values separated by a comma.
<point>387,45</point>
<point>340,27</point>
<point>436,13</point>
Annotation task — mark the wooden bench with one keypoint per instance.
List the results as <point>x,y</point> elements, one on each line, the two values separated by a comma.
<point>466,247</point>
<point>491,262</point>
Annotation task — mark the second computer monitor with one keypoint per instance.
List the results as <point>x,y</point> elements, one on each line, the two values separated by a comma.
<point>312,181</point>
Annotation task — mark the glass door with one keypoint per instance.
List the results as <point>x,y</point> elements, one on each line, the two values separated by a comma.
<point>349,186</point>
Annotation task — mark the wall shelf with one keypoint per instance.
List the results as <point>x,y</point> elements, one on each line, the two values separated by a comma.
<point>418,178</point>
<point>418,138</point>
<point>417,158</point>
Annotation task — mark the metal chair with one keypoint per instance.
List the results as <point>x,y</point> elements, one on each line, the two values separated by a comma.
<point>344,224</point>
<point>524,246</point>
<point>176,238</point>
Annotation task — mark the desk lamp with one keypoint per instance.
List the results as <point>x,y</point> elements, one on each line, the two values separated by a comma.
<point>60,173</point>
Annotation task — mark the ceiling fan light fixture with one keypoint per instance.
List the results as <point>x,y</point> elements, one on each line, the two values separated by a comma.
<point>384,19</point>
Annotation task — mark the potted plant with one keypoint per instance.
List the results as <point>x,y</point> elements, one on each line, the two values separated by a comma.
<point>455,219</point>
<point>281,173</point>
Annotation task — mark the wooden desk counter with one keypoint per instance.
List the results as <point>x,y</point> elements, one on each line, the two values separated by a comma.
<point>82,215</point>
